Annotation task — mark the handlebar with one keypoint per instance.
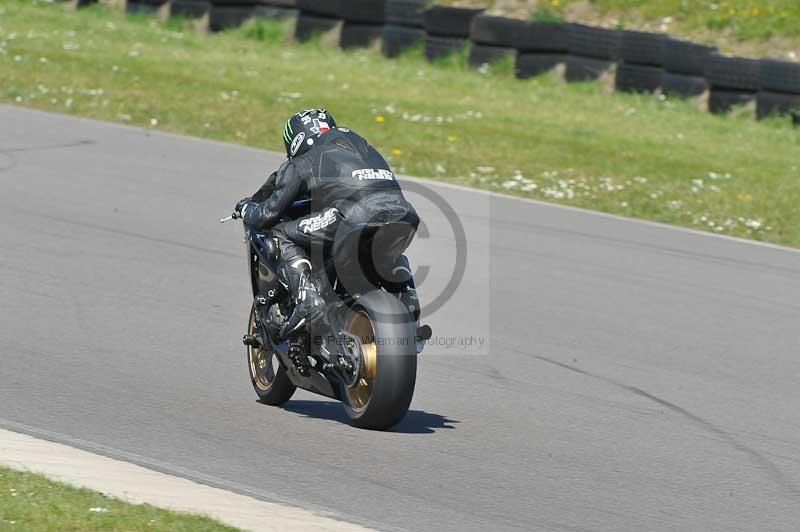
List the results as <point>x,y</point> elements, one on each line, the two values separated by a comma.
<point>298,203</point>
<point>233,216</point>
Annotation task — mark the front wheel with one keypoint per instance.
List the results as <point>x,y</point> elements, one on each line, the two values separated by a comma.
<point>269,378</point>
<point>384,389</point>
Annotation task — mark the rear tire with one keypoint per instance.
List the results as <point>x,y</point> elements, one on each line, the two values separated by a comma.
<point>385,388</point>
<point>269,378</point>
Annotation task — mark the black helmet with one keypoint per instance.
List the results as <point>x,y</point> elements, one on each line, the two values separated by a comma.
<point>303,128</point>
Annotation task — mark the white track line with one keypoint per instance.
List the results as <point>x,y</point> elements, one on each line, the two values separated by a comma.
<point>138,485</point>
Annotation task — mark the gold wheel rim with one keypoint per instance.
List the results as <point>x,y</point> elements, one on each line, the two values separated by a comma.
<point>260,361</point>
<point>361,327</point>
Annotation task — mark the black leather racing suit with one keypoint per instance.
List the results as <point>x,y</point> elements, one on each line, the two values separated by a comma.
<point>349,184</point>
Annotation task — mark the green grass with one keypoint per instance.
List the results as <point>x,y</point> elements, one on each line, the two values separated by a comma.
<point>633,155</point>
<point>746,19</point>
<point>748,27</point>
<point>30,502</point>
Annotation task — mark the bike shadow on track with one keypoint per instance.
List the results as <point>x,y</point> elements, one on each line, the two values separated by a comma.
<point>415,421</point>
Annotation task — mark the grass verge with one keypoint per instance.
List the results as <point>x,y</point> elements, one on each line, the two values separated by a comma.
<point>640,156</point>
<point>31,502</point>
<point>765,27</point>
<point>744,19</point>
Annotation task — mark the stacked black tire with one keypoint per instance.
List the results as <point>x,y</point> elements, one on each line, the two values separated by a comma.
<point>447,30</point>
<point>405,25</point>
<point>592,52</point>
<point>733,81</point>
<point>78,4</point>
<point>143,6</point>
<point>229,14</point>
<point>493,39</point>
<point>541,46</point>
<point>316,17</point>
<point>363,22</point>
<point>641,67</point>
<point>684,68</point>
<point>780,89</point>
<point>189,8</point>
<point>276,9</point>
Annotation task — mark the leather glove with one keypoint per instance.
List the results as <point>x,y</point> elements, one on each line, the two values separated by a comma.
<point>240,206</point>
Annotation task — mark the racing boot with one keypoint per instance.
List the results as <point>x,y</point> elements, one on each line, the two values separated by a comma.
<point>308,304</point>
<point>298,356</point>
<point>408,296</point>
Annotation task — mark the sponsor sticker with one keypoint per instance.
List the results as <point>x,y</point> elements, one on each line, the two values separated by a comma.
<point>372,173</point>
<point>298,140</point>
<point>311,225</point>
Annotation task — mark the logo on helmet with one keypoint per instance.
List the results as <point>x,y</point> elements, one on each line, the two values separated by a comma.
<point>298,140</point>
<point>320,127</point>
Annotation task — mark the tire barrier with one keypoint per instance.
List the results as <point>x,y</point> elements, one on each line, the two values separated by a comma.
<point>642,48</point>
<point>276,12</point>
<point>316,17</point>
<point>78,4</point>
<point>597,43</point>
<point>739,73</point>
<point>725,100</point>
<point>224,16</point>
<point>405,25</point>
<point>447,30</point>
<point>541,46</point>
<point>486,54</point>
<point>535,64</point>
<point>580,68</point>
<point>685,57</point>
<point>441,47</point>
<point>397,39</point>
<point>308,26</point>
<point>189,8</point>
<point>592,51</point>
<point>372,12</point>
<point>642,58</point>
<point>682,85</point>
<point>734,81</point>
<point>777,104</point>
<point>684,68</point>
<point>406,13</point>
<point>357,35</point>
<point>542,37</point>
<point>645,61</point>
<point>493,39</point>
<point>780,76</point>
<point>363,22</point>
<point>320,8</point>
<point>780,89</point>
<point>230,14</point>
<point>143,6</point>
<point>495,31</point>
<point>637,78</point>
<point>445,21</point>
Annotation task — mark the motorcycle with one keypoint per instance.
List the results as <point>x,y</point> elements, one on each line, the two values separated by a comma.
<point>362,352</point>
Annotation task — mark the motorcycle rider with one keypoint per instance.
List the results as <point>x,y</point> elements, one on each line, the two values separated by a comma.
<point>349,183</point>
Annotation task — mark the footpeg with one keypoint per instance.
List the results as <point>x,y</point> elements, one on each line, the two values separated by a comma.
<point>251,341</point>
<point>299,359</point>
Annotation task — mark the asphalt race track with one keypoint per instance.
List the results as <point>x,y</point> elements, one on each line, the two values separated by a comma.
<point>632,377</point>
